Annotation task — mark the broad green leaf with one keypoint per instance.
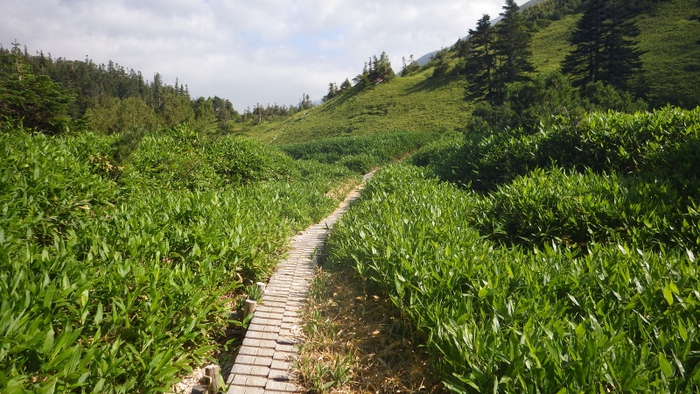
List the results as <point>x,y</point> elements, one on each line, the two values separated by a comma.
<point>48,341</point>
<point>668,294</point>
<point>665,366</point>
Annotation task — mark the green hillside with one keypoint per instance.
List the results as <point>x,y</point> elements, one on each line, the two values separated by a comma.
<point>413,103</point>
<point>669,36</point>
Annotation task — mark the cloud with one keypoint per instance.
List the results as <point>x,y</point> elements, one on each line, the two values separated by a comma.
<point>261,51</point>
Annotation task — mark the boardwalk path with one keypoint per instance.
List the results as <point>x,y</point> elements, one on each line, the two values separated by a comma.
<point>263,364</point>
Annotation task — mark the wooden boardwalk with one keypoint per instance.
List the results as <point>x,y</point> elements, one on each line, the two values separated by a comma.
<point>264,361</point>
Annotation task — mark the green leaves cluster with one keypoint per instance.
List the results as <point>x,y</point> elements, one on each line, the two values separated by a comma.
<point>621,317</point>
<point>180,158</point>
<point>117,279</point>
<point>360,154</point>
<point>568,266</point>
<point>657,144</point>
<point>34,101</point>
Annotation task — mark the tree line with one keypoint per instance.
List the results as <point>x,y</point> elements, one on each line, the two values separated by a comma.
<point>53,95</point>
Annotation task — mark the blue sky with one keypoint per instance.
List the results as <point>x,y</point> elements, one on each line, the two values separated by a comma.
<point>252,51</point>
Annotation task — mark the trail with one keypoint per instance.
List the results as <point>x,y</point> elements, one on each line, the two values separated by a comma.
<point>264,361</point>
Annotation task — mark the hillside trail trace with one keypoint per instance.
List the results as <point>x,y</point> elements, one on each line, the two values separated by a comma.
<point>264,361</point>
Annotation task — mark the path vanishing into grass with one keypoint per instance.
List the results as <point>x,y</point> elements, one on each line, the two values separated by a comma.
<point>264,361</point>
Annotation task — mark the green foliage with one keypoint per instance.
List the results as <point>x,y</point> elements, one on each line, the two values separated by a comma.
<point>181,158</point>
<point>360,154</point>
<point>644,143</point>
<point>549,99</point>
<point>619,318</point>
<point>34,101</point>
<point>113,115</point>
<point>435,153</point>
<point>112,284</point>
<point>511,42</point>
<point>409,66</point>
<point>442,63</point>
<point>378,70</point>
<point>479,60</point>
<point>605,47</point>
<point>241,161</point>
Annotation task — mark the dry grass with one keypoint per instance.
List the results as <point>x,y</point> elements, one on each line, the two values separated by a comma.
<point>339,192</point>
<point>358,342</point>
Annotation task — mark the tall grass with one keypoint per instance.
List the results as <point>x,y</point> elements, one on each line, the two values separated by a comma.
<point>360,153</point>
<point>620,317</point>
<point>571,267</point>
<point>117,279</point>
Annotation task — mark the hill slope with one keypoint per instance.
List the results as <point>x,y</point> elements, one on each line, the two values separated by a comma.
<point>412,103</point>
<point>418,102</point>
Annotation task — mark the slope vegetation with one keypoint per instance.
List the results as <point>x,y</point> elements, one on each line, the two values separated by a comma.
<point>420,102</point>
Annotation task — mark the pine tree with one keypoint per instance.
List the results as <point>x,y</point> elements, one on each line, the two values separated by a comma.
<point>620,53</point>
<point>442,62</point>
<point>332,92</point>
<point>479,63</point>
<point>35,101</point>
<point>409,66</point>
<point>380,69</point>
<point>604,47</point>
<point>512,48</point>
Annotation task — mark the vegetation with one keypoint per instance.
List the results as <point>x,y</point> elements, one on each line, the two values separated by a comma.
<point>605,49</point>
<point>547,242</point>
<point>117,279</point>
<point>123,255</point>
<point>359,154</point>
<point>575,270</point>
<point>34,100</point>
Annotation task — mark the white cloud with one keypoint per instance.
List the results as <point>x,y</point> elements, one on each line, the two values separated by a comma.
<point>262,51</point>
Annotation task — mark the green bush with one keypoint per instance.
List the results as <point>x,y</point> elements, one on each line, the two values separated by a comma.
<point>619,318</point>
<point>656,144</point>
<point>554,206</point>
<point>112,284</point>
<point>434,153</point>
<point>240,161</point>
<point>360,154</point>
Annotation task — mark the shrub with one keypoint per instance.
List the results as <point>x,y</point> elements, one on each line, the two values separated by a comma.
<point>619,318</point>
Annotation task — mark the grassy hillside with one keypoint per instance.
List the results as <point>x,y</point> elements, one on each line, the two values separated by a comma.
<point>669,36</point>
<point>550,45</point>
<point>413,103</point>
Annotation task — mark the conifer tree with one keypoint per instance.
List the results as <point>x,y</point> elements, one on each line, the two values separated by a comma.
<point>511,47</point>
<point>442,62</point>
<point>605,49</point>
<point>34,100</point>
<point>332,92</point>
<point>479,63</point>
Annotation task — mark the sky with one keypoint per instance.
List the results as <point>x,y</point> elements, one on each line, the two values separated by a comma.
<point>246,51</point>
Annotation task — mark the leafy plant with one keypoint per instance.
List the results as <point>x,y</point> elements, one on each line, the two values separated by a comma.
<point>119,280</point>
<point>540,316</point>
